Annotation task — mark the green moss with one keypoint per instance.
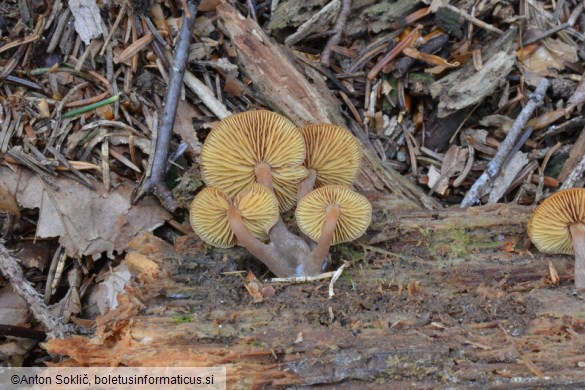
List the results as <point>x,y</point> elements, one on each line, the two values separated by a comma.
<point>349,252</point>
<point>350,280</point>
<point>182,318</point>
<point>452,243</point>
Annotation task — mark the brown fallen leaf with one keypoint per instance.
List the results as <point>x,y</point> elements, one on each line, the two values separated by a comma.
<point>105,294</point>
<point>13,309</point>
<point>554,275</point>
<point>87,222</point>
<point>254,287</point>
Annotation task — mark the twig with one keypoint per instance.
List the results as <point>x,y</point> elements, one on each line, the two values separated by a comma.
<point>155,182</point>
<point>474,20</point>
<point>302,279</point>
<point>493,168</point>
<point>576,174</point>
<point>396,50</point>
<point>337,31</point>
<point>19,331</point>
<point>542,168</point>
<point>206,95</point>
<point>12,271</point>
<point>334,278</point>
<point>324,16</point>
<point>403,65</point>
<point>569,23</point>
<point>252,9</point>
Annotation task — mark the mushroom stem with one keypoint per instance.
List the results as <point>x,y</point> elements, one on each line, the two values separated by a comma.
<point>322,249</point>
<point>264,175</point>
<point>307,184</point>
<point>578,237</point>
<point>291,249</point>
<point>261,251</point>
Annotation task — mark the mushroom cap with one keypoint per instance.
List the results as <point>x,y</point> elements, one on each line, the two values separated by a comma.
<point>208,214</point>
<point>355,213</point>
<point>333,152</point>
<point>548,227</point>
<point>240,142</point>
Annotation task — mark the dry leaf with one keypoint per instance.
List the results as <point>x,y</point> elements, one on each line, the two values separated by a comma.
<point>207,5</point>
<point>13,309</point>
<point>44,111</point>
<point>438,183</point>
<point>88,21</point>
<point>87,222</point>
<point>453,164</point>
<point>68,306</point>
<point>105,294</point>
<point>183,126</point>
<point>508,246</point>
<point>554,275</point>
<point>8,202</point>
<point>254,287</point>
<point>233,86</point>
<point>430,59</point>
<point>13,352</point>
<point>35,254</point>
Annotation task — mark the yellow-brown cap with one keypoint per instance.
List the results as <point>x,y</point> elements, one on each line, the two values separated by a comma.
<point>548,227</point>
<point>208,214</point>
<point>238,143</point>
<point>333,152</point>
<point>355,213</point>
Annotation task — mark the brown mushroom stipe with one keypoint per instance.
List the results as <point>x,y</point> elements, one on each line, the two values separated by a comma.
<point>331,215</point>
<point>254,146</point>
<point>333,157</point>
<point>558,226</point>
<point>223,222</point>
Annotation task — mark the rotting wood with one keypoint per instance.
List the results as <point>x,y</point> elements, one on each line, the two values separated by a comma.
<point>483,184</point>
<point>448,310</point>
<point>286,90</point>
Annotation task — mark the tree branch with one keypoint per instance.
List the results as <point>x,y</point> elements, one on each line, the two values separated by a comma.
<point>154,181</point>
<point>494,167</point>
<point>337,31</point>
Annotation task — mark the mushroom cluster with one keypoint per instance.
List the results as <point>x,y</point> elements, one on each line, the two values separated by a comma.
<point>257,164</point>
<point>558,226</point>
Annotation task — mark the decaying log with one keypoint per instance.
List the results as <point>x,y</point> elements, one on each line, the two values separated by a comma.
<point>281,86</point>
<point>440,299</point>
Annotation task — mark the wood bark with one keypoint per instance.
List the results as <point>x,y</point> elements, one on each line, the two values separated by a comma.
<point>435,299</point>
<point>286,89</point>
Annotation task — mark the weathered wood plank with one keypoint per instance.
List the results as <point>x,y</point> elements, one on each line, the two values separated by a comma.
<point>407,311</point>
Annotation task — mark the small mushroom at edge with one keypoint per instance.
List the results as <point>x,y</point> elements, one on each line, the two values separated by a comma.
<point>333,157</point>
<point>558,226</point>
<point>331,215</point>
